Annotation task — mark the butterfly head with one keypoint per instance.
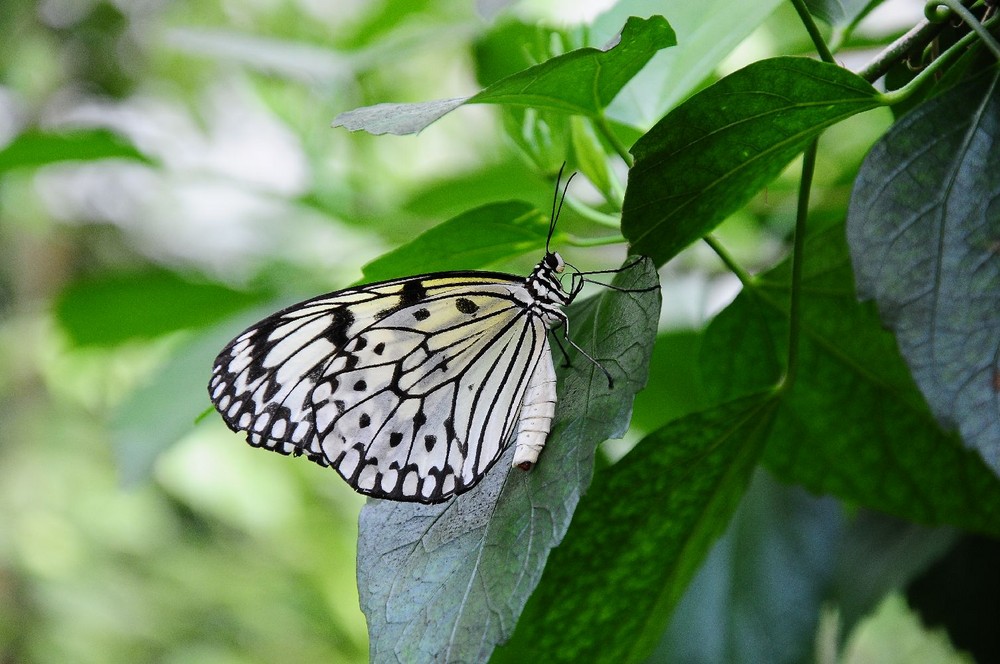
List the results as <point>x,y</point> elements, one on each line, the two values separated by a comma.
<point>554,262</point>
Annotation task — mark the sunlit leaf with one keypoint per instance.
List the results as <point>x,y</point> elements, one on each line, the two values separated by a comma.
<point>708,31</point>
<point>583,81</point>
<point>37,148</point>
<point>113,308</point>
<point>449,581</point>
<point>472,240</point>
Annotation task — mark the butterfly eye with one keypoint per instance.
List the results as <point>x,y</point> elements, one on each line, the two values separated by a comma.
<point>555,262</point>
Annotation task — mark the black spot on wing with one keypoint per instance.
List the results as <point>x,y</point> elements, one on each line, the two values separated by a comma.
<point>412,293</point>
<point>466,306</point>
<point>395,438</point>
<point>341,320</point>
<point>379,348</point>
<point>421,314</point>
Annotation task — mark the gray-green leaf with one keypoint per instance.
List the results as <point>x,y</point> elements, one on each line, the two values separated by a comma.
<point>924,232</point>
<point>447,582</point>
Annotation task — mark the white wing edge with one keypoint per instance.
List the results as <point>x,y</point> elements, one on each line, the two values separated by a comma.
<point>537,409</point>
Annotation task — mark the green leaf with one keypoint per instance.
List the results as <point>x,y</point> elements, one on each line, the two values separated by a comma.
<point>448,581</point>
<point>143,427</point>
<point>639,535</point>
<point>475,239</point>
<point>674,386</point>
<point>36,148</point>
<point>923,228</point>
<point>840,13</point>
<point>709,31</point>
<point>709,156</point>
<point>788,548</point>
<point>583,81</point>
<point>852,424</point>
<point>114,308</point>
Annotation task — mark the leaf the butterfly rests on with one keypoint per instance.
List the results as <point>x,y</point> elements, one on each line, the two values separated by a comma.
<point>411,388</point>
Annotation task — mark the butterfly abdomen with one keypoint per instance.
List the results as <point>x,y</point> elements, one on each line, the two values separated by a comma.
<point>537,411</point>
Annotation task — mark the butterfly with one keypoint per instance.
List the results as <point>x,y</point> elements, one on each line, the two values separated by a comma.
<point>412,388</point>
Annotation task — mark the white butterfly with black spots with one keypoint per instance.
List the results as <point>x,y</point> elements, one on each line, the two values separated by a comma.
<point>412,388</point>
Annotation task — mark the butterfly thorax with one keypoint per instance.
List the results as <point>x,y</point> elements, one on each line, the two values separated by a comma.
<point>546,290</point>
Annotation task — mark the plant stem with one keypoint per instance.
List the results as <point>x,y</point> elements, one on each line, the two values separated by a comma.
<point>813,30</point>
<point>932,68</point>
<point>918,36</point>
<point>601,123</point>
<point>969,19</point>
<point>587,212</point>
<point>727,258</point>
<point>798,258</point>
<point>575,241</point>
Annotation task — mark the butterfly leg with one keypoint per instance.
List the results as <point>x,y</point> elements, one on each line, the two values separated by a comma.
<point>564,321</point>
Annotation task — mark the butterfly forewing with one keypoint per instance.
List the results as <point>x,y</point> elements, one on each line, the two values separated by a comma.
<point>409,388</point>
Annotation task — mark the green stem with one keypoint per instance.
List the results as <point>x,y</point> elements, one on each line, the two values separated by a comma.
<point>745,278</point>
<point>970,20</point>
<point>575,241</point>
<point>934,66</point>
<point>587,212</point>
<point>813,30</point>
<point>918,36</point>
<point>798,258</point>
<point>601,123</point>
<point>842,34</point>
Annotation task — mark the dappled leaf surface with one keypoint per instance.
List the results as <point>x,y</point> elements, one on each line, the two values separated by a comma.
<point>638,536</point>
<point>447,582</point>
<point>37,148</point>
<point>711,154</point>
<point>924,232</point>
<point>852,424</point>
<point>474,239</point>
<point>582,81</point>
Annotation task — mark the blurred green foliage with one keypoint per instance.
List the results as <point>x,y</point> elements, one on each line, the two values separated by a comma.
<point>168,175</point>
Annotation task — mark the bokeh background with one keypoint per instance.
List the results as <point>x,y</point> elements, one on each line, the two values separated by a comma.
<point>169,176</point>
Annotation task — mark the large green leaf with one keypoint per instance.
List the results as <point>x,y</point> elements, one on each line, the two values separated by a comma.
<point>711,154</point>
<point>852,424</point>
<point>583,81</point>
<point>923,227</point>
<point>474,239</point>
<point>788,548</point>
<point>37,148</point>
<point>110,309</point>
<point>447,582</point>
<point>639,535</point>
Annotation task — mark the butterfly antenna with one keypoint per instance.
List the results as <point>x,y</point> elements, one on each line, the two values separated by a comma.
<point>557,203</point>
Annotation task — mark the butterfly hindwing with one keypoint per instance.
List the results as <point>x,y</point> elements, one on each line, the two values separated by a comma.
<point>410,389</point>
